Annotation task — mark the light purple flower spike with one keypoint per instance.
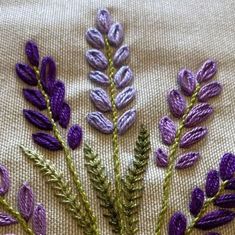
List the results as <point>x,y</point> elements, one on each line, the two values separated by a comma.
<point>6,220</point>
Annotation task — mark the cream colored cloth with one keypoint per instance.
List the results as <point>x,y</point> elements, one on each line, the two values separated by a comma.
<point>163,37</point>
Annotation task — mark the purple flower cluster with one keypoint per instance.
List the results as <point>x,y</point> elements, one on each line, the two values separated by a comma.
<point>215,180</point>
<point>191,116</point>
<point>26,205</point>
<point>49,96</point>
<point>108,58</point>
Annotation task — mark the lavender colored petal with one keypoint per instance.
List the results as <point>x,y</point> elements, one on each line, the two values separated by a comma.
<point>123,77</point>
<point>98,121</point>
<point>167,130</point>
<point>99,77</point>
<point>26,201</point>
<point>31,51</point>
<point>37,119</point>
<point>35,97</point>
<point>227,166</point>
<point>101,99</point>
<point>121,56</point>
<point>161,158</point>
<point>125,97</point>
<point>177,103</point>
<point>231,184</point>
<point>215,219</point>
<point>126,121</point>
<point>64,116</point>
<point>116,34</point>
<point>207,71</point>
<point>187,160</point>
<point>4,181</point>
<point>96,59</point>
<point>226,201</point>
<point>212,183</point>
<point>74,137</point>
<point>196,202</point>
<point>46,141</point>
<point>6,220</point>
<point>187,81</point>
<point>193,136</point>
<point>95,38</point>
<point>103,20</point>
<point>26,74</point>
<point>39,220</point>
<point>198,114</point>
<point>209,91</point>
<point>177,224</point>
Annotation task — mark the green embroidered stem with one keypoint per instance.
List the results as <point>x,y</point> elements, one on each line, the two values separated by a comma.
<point>206,204</point>
<point>69,161</point>
<point>133,183</point>
<point>117,164</point>
<point>172,157</point>
<point>8,208</point>
<point>102,186</point>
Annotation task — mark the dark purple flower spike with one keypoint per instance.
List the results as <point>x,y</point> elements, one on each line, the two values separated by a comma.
<point>177,224</point>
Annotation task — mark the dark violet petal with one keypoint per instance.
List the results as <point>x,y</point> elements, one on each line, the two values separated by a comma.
<point>4,181</point>
<point>226,201</point>
<point>64,116</point>
<point>74,137</point>
<point>39,220</point>
<point>177,224</point>
<point>123,77</point>
<point>47,141</point>
<point>6,219</point>
<point>35,97</point>
<point>227,166</point>
<point>26,74</point>
<point>187,160</point>
<point>57,99</point>
<point>95,38</point>
<point>99,77</point>
<point>103,20</point>
<point>198,114</point>
<point>212,183</point>
<point>231,184</point>
<point>37,119</point>
<point>31,50</point>
<point>215,219</point>
<point>196,202</point>
<point>126,121</point>
<point>125,97</point>
<point>193,136</point>
<point>116,34</point>
<point>207,71</point>
<point>161,158</point>
<point>25,201</point>
<point>167,130</point>
<point>209,91</point>
<point>177,103</point>
<point>98,121</point>
<point>96,59</point>
<point>100,99</point>
<point>48,69</point>
<point>186,81</point>
<point>121,56</point>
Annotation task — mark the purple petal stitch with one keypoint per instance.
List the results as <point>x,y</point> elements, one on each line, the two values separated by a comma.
<point>39,220</point>
<point>207,71</point>
<point>123,77</point>
<point>197,200</point>
<point>103,20</point>
<point>95,38</point>
<point>116,35</point>
<point>64,116</point>
<point>168,130</point>
<point>26,74</point>
<point>31,51</point>
<point>99,77</point>
<point>177,224</point>
<point>4,181</point>
<point>121,56</point>
<point>6,219</point>
<point>161,158</point>
<point>96,59</point>
<point>231,184</point>
<point>125,97</point>
<point>226,201</point>
<point>187,160</point>
<point>35,97</point>
<point>74,137</point>
<point>212,183</point>
<point>227,166</point>
<point>209,91</point>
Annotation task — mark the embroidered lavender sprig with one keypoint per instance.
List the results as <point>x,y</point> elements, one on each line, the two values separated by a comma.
<point>50,95</point>
<point>26,207</point>
<point>191,116</point>
<point>217,182</point>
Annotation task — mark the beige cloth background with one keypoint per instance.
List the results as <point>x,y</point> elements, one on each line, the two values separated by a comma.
<point>163,36</point>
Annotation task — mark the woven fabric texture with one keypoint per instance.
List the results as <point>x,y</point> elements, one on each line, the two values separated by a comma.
<point>163,36</point>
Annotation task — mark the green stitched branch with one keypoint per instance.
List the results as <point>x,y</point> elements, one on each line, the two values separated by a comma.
<point>69,161</point>
<point>206,204</point>
<point>8,208</point>
<point>117,164</point>
<point>102,186</point>
<point>134,180</point>
<point>172,157</point>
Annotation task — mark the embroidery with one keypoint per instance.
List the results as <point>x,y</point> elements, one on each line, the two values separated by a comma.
<point>26,207</point>
<point>189,117</point>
